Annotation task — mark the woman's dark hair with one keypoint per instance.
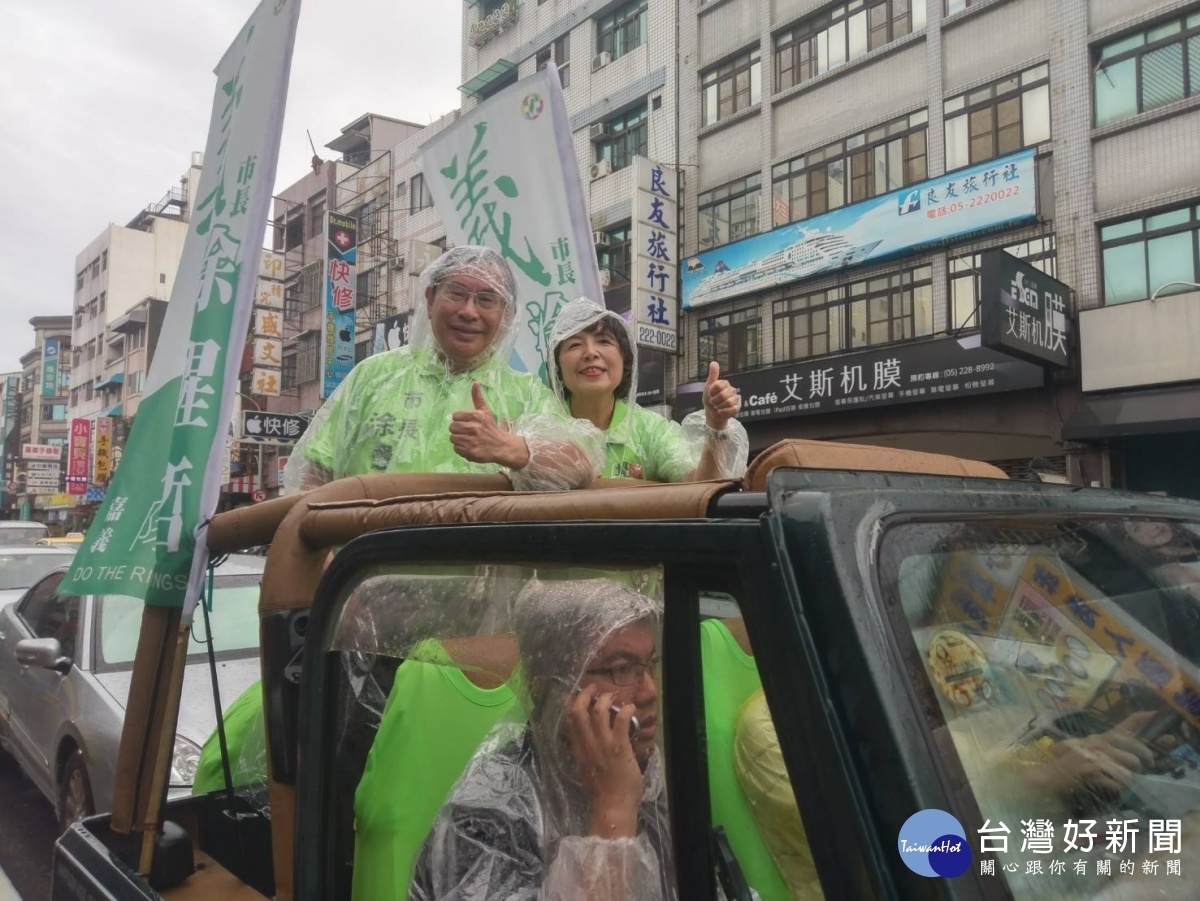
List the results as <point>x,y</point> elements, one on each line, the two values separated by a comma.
<point>604,326</point>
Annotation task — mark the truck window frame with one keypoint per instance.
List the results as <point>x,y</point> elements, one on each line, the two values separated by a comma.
<point>692,554</point>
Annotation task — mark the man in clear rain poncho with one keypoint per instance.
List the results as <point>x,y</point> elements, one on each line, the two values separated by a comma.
<point>571,804</point>
<point>449,402</point>
<point>593,369</point>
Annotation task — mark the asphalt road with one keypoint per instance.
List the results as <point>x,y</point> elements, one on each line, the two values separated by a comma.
<point>27,833</point>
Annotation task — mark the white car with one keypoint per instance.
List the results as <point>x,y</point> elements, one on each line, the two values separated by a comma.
<point>21,532</point>
<point>22,566</point>
<point>65,669</point>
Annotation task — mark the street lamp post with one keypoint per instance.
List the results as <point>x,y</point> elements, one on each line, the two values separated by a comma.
<point>1154,296</point>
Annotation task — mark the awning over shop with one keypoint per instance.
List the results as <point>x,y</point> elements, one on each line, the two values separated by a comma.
<point>501,68</point>
<point>117,378</point>
<point>1135,413</point>
<point>112,411</point>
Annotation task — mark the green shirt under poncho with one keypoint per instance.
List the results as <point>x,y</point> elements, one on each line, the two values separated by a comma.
<point>641,444</point>
<point>392,413</point>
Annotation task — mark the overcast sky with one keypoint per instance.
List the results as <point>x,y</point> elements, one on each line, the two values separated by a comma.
<point>102,104</point>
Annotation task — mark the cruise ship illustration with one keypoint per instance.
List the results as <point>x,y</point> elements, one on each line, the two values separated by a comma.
<point>815,252</point>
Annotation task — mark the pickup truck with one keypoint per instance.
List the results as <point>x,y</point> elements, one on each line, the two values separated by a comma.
<point>946,656</point>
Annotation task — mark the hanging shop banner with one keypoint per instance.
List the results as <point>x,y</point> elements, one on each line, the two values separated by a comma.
<point>997,194</point>
<point>655,266</point>
<point>901,374</point>
<point>341,286</point>
<point>50,351</point>
<point>102,455</point>
<point>505,175</point>
<point>79,453</point>
<point>1023,311</point>
<point>148,537</point>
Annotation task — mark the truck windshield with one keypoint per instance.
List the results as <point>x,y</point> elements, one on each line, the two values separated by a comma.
<point>1064,657</point>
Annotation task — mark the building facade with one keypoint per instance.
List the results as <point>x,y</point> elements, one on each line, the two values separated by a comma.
<point>35,474</point>
<point>117,271</point>
<point>798,117</point>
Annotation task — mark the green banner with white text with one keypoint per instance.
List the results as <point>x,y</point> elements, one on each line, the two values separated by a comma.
<point>147,538</point>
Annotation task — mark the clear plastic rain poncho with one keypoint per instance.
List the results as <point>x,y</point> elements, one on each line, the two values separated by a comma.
<point>516,825</point>
<point>641,443</point>
<point>393,412</point>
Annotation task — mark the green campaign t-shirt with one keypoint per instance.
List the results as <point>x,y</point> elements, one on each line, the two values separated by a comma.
<point>392,413</point>
<point>730,678</point>
<point>641,444</point>
<point>433,722</point>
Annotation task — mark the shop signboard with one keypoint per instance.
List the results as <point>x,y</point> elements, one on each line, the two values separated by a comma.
<point>1023,311</point>
<point>997,194</point>
<point>341,300</point>
<point>901,374</point>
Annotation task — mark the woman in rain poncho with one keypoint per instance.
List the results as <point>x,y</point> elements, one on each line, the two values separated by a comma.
<point>449,402</point>
<point>572,805</point>
<point>594,371</point>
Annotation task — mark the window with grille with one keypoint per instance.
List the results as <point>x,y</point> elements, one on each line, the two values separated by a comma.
<point>1148,69</point>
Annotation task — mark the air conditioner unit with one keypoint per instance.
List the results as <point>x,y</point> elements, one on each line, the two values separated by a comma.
<point>598,132</point>
<point>601,239</point>
<point>605,277</point>
<point>397,261</point>
<point>601,169</point>
<point>600,60</point>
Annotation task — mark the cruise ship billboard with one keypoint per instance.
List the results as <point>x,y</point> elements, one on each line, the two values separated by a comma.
<point>991,195</point>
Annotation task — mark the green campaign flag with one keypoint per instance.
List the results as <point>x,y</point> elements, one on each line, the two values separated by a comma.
<point>147,538</point>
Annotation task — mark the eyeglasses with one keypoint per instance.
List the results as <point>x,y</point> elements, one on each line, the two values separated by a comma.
<point>627,674</point>
<point>458,295</point>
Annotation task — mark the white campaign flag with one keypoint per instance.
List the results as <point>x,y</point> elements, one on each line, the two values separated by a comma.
<point>505,176</point>
<point>147,539</point>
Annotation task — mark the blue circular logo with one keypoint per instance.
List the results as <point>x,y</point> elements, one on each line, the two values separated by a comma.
<point>933,843</point>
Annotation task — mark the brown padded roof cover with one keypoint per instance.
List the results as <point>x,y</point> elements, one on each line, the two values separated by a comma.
<point>806,454</point>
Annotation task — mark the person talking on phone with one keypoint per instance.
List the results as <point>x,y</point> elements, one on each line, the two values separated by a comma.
<point>571,803</point>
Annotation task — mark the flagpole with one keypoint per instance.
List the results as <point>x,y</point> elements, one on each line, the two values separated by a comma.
<point>162,764</point>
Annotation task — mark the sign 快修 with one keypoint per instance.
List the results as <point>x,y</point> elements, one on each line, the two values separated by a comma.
<point>1023,311</point>
<point>341,298</point>
<point>900,374</point>
<point>272,428</point>
<point>981,198</point>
